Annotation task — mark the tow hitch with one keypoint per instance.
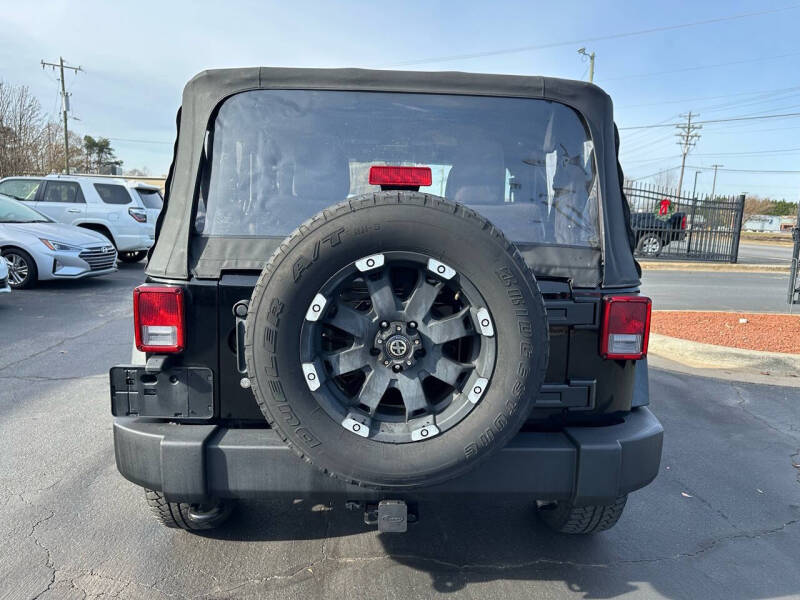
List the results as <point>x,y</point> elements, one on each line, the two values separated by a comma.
<point>391,516</point>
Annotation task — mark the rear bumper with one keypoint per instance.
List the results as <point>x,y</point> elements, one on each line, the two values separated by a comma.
<point>590,465</point>
<point>135,242</point>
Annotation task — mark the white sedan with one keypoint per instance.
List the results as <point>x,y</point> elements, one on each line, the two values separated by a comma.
<point>37,248</point>
<point>4,287</point>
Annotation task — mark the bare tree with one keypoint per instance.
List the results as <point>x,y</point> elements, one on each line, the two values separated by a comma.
<point>21,129</point>
<point>666,179</point>
<point>29,143</point>
<point>755,205</point>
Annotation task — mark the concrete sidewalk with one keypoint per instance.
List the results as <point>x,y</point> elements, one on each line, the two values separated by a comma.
<point>664,265</point>
<point>731,363</point>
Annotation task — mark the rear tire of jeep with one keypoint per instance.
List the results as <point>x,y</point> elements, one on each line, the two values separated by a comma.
<point>189,517</point>
<point>411,405</point>
<point>564,517</point>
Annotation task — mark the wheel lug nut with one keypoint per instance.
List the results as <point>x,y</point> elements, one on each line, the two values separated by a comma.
<point>412,325</point>
<point>396,368</point>
<point>416,342</point>
<point>399,328</point>
<point>384,324</point>
<point>386,363</point>
<point>408,362</point>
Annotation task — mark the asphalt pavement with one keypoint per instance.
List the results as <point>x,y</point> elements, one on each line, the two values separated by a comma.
<point>763,254</point>
<point>722,520</point>
<point>713,290</point>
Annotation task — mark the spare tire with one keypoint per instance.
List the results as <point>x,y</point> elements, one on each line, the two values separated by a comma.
<point>396,340</point>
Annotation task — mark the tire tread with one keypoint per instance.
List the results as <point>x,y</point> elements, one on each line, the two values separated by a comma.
<point>570,519</point>
<point>346,207</point>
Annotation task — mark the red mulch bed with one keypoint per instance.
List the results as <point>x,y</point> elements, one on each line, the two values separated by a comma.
<point>770,333</point>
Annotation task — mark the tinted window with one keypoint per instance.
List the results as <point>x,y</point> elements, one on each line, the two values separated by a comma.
<point>113,194</point>
<point>21,189</point>
<point>62,191</point>
<point>150,198</point>
<point>276,157</point>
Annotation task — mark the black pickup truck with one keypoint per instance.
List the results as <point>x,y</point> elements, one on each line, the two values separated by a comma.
<point>377,287</point>
<point>653,233</point>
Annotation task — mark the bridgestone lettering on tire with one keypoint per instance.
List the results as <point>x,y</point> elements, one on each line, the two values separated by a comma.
<point>396,340</point>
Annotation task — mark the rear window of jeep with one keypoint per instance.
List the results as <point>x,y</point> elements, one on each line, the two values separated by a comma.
<point>276,157</point>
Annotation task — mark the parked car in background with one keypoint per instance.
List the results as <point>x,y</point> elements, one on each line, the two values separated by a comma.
<point>654,233</point>
<point>37,248</point>
<point>4,287</point>
<point>125,212</point>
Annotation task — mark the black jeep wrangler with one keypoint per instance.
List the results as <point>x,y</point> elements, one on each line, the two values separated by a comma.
<point>376,287</point>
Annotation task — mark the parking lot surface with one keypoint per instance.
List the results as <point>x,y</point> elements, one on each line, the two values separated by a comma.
<point>722,520</point>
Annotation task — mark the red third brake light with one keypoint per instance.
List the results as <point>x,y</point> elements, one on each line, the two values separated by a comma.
<point>626,327</point>
<point>158,318</point>
<point>400,176</point>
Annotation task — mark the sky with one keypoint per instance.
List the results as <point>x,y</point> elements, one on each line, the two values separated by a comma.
<point>137,56</point>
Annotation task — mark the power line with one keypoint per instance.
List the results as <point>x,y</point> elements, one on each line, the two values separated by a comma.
<point>701,67</point>
<point>654,174</point>
<point>729,120</point>
<point>140,141</point>
<point>753,152</point>
<point>612,36</point>
<point>765,171</point>
<point>753,93</point>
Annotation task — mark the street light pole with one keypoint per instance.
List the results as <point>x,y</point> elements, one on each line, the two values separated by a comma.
<point>694,188</point>
<point>714,185</point>
<point>590,55</point>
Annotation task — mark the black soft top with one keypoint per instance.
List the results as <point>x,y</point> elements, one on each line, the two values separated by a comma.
<point>175,255</point>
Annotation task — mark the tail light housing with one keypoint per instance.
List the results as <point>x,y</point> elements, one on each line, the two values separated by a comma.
<point>158,319</point>
<point>139,215</point>
<point>626,327</point>
<point>400,176</point>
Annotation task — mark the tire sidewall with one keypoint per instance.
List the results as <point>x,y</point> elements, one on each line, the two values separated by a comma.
<point>644,239</point>
<point>450,234</point>
<point>33,274</point>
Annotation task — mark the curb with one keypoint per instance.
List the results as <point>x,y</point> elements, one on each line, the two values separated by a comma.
<point>697,355</point>
<point>709,267</point>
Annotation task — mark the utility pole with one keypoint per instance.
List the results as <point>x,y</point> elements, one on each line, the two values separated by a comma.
<point>64,103</point>
<point>694,188</point>
<point>582,51</point>
<point>714,185</point>
<point>687,138</point>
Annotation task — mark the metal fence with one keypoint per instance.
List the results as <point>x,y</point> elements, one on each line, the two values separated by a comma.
<point>672,227</point>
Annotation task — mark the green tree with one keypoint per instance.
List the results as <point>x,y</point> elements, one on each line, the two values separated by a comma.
<point>99,154</point>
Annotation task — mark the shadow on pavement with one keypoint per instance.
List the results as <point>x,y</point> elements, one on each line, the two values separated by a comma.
<point>456,543</point>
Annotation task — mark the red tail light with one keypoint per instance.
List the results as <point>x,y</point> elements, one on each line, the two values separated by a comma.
<point>626,327</point>
<point>158,318</point>
<point>683,222</point>
<point>400,176</point>
<point>138,214</point>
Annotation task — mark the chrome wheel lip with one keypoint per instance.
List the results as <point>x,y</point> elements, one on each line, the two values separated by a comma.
<point>441,415</point>
<point>18,269</point>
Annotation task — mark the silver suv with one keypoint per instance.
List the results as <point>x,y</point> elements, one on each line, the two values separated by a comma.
<point>123,211</point>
